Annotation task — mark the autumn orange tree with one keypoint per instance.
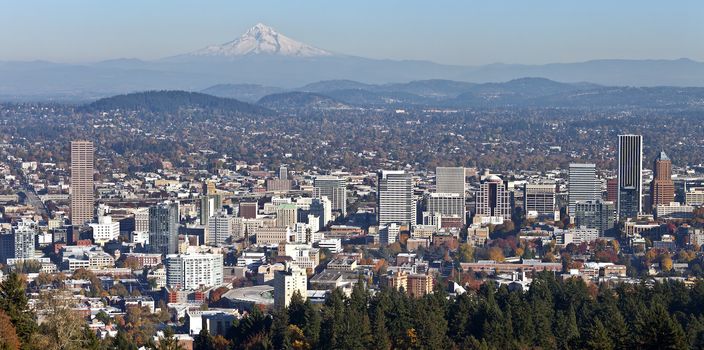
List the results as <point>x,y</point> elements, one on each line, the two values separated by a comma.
<point>8,335</point>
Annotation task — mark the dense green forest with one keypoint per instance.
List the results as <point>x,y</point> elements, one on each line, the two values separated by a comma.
<point>553,314</point>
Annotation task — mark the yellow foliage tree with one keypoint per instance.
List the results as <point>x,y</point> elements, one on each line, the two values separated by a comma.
<point>666,263</point>
<point>496,254</point>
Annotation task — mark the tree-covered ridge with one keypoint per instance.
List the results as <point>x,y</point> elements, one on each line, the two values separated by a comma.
<point>553,314</point>
<point>299,100</point>
<point>171,102</point>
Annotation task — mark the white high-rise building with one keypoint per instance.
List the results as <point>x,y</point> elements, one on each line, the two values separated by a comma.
<point>19,244</point>
<point>303,255</point>
<point>447,204</point>
<point>220,229</point>
<point>582,185</point>
<point>335,189</point>
<point>105,230</point>
<point>292,279</point>
<point>306,233</point>
<point>452,180</point>
<point>630,176</point>
<point>313,223</point>
<point>395,197</point>
<point>195,270</point>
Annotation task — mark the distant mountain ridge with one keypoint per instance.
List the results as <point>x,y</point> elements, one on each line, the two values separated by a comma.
<point>263,56</point>
<point>342,95</point>
<point>244,92</point>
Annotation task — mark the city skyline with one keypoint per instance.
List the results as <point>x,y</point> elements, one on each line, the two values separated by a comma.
<point>351,175</point>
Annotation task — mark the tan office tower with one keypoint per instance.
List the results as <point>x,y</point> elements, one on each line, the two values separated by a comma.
<point>662,189</point>
<point>82,198</point>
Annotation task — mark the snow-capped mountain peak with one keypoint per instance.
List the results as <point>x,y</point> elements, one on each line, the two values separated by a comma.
<point>262,39</point>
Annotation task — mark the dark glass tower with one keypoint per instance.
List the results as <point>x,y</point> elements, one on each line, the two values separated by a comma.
<point>630,176</point>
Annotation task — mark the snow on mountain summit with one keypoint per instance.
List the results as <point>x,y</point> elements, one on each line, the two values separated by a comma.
<point>262,39</point>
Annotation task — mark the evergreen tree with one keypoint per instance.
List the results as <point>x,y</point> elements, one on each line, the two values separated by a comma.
<point>618,330</point>
<point>566,330</point>
<point>521,319</point>
<point>398,316</point>
<point>597,338</point>
<point>496,328</point>
<point>430,321</point>
<point>296,310</point>
<point>122,342</point>
<point>333,325</point>
<point>657,330</point>
<point>459,317</point>
<point>203,341</point>
<point>381,339</point>
<point>91,340</point>
<point>280,337</point>
<point>13,301</point>
<point>357,325</point>
<point>311,327</point>
<point>695,332</point>
<point>254,329</point>
<point>168,341</point>
<point>542,311</point>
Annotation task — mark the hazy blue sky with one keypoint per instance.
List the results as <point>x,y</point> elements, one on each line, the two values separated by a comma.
<point>457,32</point>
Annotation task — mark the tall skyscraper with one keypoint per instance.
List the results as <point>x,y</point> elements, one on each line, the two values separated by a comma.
<point>451,180</point>
<point>662,189</point>
<point>630,176</point>
<point>283,173</point>
<point>582,185</point>
<point>163,228</point>
<point>494,198</point>
<point>395,197</point>
<point>82,197</point>
<point>335,189</point>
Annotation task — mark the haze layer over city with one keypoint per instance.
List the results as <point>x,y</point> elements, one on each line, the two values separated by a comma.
<point>351,175</point>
